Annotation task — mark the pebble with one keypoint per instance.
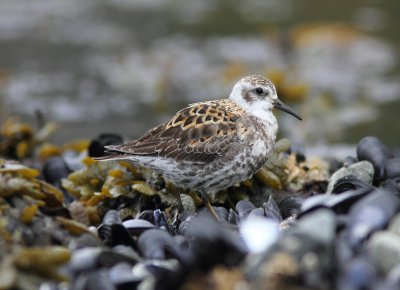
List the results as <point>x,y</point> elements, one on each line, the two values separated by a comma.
<point>362,170</point>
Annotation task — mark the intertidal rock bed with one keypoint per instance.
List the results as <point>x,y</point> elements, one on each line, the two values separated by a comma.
<point>69,222</point>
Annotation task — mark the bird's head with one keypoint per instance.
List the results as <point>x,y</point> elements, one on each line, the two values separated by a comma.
<point>257,95</point>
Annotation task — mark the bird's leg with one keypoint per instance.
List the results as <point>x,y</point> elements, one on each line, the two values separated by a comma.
<point>206,202</point>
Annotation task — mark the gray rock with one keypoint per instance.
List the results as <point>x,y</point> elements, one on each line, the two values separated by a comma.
<point>384,249</point>
<point>363,170</point>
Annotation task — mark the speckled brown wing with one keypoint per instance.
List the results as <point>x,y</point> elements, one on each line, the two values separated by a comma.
<point>198,133</point>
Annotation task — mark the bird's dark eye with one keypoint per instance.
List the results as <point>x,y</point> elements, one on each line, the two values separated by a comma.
<point>259,91</point>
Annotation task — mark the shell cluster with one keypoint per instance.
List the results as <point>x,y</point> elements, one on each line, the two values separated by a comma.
<point>69,222</point>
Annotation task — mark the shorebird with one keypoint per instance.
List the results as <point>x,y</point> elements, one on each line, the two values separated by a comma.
<point>209,146</point>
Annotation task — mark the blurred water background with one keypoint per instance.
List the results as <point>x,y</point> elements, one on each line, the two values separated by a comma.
<point>124,66</point>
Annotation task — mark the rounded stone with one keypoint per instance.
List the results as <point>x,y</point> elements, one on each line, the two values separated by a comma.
<point>188,203</point>
<point>362,170</point>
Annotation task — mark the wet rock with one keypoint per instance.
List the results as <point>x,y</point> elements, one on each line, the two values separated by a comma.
<point>362,170</point>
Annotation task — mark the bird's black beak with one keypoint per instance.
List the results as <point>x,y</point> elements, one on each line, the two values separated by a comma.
<point>278,104</point>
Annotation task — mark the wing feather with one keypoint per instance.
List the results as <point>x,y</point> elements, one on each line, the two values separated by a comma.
<point>199,133</point>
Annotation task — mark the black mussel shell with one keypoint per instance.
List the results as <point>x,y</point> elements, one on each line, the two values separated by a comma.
<point>112,232</point>
<point>212,244</point>
<point>392,185</point>
<point>147,215</point>
<point>54,169</point>
<point>290,206</point>
<point>340,203</point>
<point>373,150</point>
<point>96,147</point>
<point>160,219</point>
<point>392,168</point>
<point>370,214</point>
<point>159,244</point>
<point>299,151</point>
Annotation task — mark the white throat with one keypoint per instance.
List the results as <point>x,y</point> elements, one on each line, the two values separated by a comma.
<point>261,110</point>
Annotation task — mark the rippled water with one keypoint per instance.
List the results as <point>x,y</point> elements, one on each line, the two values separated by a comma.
<point>124,66</point>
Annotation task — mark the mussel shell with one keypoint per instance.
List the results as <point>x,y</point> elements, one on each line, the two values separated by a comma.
<point>159,244</point>
<point>113,235</point>
<point>221,212</point>
<point>213,244</point>
<point>290,206</point>
<point>54,169</point>
<point>147,215</point>
<point>122,277</point>
<point>99,280</point>
<point>373,150</point>
<point>160,220</point>
<point>392,185</point>
<point>112,232</point>
<point>370,214</point>
<point>299,151</point>
<point>350,182</point>
<point>137,226</point>
<point>90,258</point>
<point>244,208</point>
<point>340,203</point>
<point>112,217</point>
<point>271,210</point>
<point>349,160</point>
<point>160,275</point>
<point>96,147</point>
<point>392,168</point>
